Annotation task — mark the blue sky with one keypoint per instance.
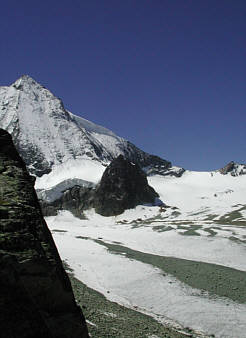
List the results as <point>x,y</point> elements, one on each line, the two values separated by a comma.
<point>168,75</point>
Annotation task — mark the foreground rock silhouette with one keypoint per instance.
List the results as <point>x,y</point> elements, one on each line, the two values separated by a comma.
<point>36,298</point>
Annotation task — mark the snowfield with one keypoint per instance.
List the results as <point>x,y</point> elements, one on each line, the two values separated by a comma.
<point>202,192</point>
<point>203,222</point>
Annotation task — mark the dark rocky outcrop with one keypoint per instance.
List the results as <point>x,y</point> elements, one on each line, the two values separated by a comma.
<point>75,199</point>
<point>172,171</point>
<point>151,164</point>
<point>123,186</point>
<point>234,169</point>
<point>227,168</point>
<point>36,298</point>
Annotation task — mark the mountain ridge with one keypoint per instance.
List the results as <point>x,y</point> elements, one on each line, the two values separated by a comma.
<point>46,134</point>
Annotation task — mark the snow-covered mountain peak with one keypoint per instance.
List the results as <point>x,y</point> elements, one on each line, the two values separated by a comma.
<point>27,86</point>
<point>46,135</point>
<point>24,81</point>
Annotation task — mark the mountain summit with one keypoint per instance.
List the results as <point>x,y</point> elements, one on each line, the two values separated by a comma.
<point>47,135</point>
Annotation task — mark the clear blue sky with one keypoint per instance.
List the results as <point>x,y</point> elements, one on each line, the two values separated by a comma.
<point>168,75</point>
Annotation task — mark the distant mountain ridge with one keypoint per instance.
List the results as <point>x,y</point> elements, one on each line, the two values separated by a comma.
<point>234,169</point>
<point>46,134</point>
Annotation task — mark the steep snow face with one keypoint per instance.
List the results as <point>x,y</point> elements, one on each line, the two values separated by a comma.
<point>47,135</point>
<point>44,132</point>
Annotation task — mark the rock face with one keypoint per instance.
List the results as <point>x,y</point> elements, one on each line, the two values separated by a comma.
<point>234,169</point>
<point>76,199</point>
<point>123,186</point>
<point>36,298</point>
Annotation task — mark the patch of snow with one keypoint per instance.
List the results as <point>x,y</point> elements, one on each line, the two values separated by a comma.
<point>90,323</point>
<point>110,314</point>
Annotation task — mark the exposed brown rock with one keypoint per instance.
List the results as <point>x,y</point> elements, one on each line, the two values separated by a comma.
<point>227,168</point>
<point>234,169</point>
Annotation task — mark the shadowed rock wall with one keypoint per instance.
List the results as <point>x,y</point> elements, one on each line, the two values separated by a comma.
<point>36,298</point>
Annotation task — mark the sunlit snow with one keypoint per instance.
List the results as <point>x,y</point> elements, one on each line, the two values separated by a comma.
<point>205,201</point>
<point>136,284</point>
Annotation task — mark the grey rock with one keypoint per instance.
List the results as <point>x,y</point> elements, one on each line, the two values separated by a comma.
<point>75,199</point>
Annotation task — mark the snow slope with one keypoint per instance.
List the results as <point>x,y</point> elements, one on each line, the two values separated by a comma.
<point>195,195</point>
<point>199,195</point>
<point>142,286</point>
<point>203,222</point>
